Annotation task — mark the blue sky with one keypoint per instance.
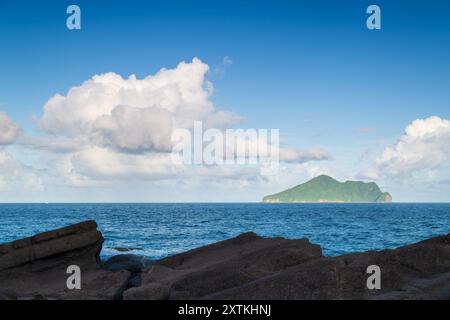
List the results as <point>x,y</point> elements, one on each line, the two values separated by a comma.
<point>310,68</point>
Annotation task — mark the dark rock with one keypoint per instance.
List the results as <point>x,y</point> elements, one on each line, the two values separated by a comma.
<point>418,271</point>
<point>251,267</point>
<point>36,267</point>
<point>135,280</point>
<point>152,291</point>
<point>100,285</point>
<point>129,262</point>
<point>132,264</point>
<point>227,264</point>
<point>80,242</point>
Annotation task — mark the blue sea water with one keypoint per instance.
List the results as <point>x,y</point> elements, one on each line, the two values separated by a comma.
<point>159,230</point>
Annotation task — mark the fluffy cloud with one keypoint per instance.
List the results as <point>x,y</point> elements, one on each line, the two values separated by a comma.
<point>111,127</point>
<point>425,145</point>
<point>14,175</point>
<point>135,115</point>
<point>101,163</point>
<point>134,129</point>
<point>302,156</point>
<point>9,131</point>
<point>96,165</point>
<point>312,171</point>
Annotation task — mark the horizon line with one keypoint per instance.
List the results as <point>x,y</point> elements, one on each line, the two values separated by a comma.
<point>230,202</point>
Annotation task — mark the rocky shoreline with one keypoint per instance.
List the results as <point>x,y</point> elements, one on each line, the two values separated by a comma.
<point>245,267</point>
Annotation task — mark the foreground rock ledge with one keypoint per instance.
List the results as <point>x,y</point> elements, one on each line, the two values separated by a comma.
<point>245,267</point>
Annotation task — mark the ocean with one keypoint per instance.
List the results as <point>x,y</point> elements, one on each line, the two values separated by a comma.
<point>160,230</point>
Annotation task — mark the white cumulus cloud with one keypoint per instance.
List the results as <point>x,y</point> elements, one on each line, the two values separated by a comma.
<point>135,115</point>
<point>302,156</point>
<point>134,129</point>
<point>115,128</point>
<point>16,176</point>
<point>425,145</point>
<point>9,131</point>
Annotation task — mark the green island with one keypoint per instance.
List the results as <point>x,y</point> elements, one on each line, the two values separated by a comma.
<point>327,189</point>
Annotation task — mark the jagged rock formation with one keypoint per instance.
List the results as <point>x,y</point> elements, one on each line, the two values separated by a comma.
<point>250,267</point>
<point>418,271</point>
<point>35,267</point>
<point>245,267</point>
<point>81,240</point>
<point>221,266</point>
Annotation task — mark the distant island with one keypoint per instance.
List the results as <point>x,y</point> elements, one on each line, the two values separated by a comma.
<point>327,189</point>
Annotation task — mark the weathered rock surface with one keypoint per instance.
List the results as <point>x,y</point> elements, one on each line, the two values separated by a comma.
<point>250,267</point>
<point>129,262</point>
<point>82,242</point>
<point>245,267</point>
<point>151,291</point>
<point>35,267</point>
<point>418,271</point>
<point>231,263</point>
